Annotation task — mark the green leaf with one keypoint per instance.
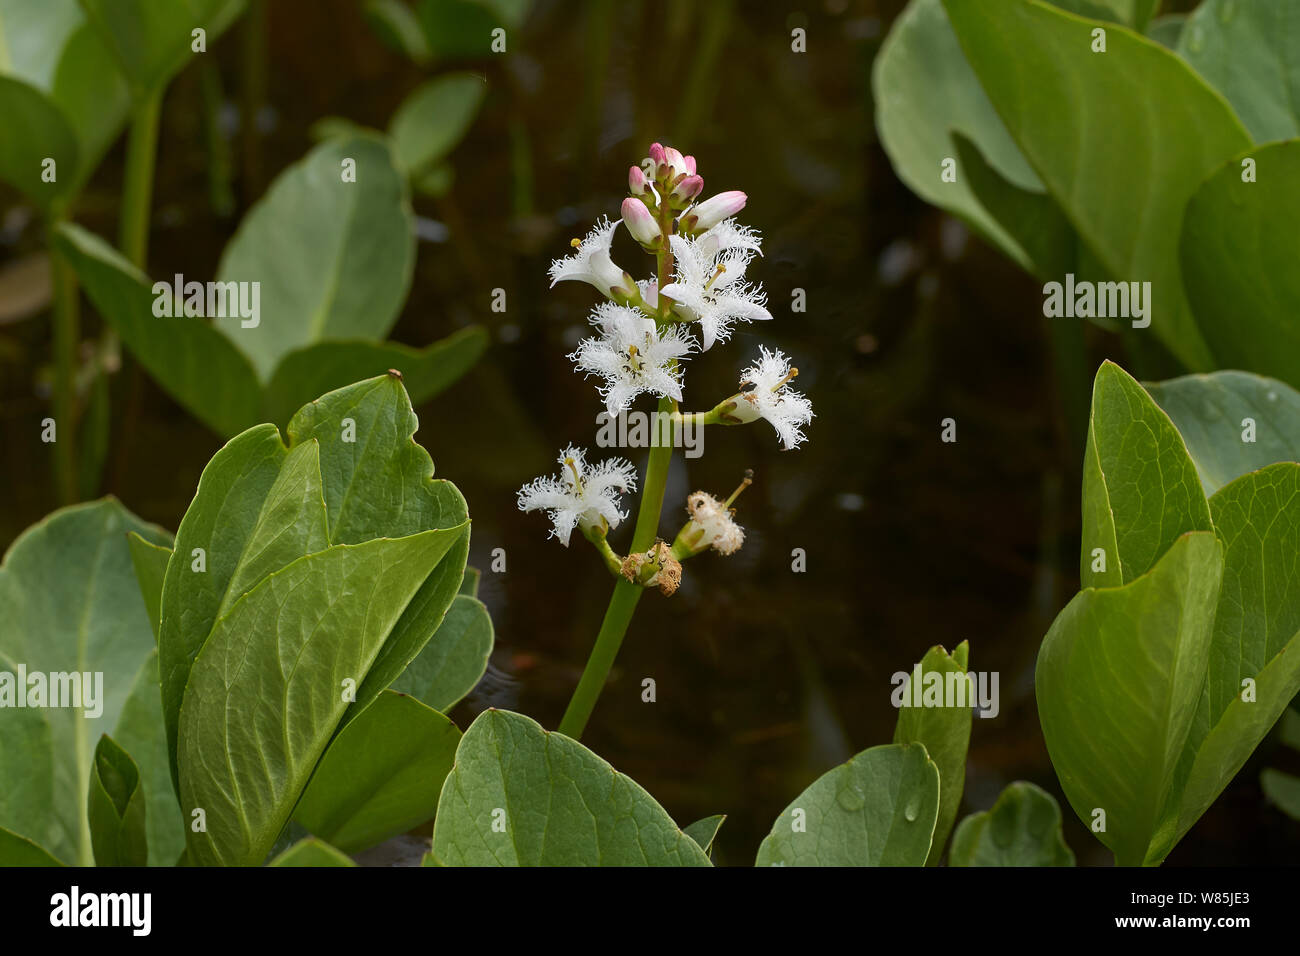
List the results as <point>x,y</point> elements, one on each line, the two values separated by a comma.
<point>1140,487</point>
<point>308,372</point>
<point>1130,13</point>
<point>212,537</point>
<point>455,658</point>
<point>116,808</point>
<point>878,809</point>
<point>383,485</point>
<point>1247,310</point>
<point>398,26</point>
<point>1255,651</point>
<point>333,258</point>
<point>1246,51</point>
<point>192,361</point>
<point>925,93</point>
<point>153,41</point>
<point>1022,829</point>
<point>1118,678</point>
<point>945,732</point>
<point>17,850</point>
<point>35,129</point>
<point>1211,412</point>
<point>457,29</point>
<point>50,48</point>
<point>69,603</point>
<point>381,775</point>
<point>433,119</point>
<point>1133,126</point>
<point>142,732</point>
<point>150,563</point>
<point>272,682</point>
<point>469,583</point>
<point>311,852</point>
<point>1282,789</point>
<point>521,796</point>
<point>705,831</point>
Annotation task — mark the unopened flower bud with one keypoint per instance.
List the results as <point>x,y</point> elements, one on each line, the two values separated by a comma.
<point>686,190</point>
<point>639,222</point>
<point>690,165</point>
<point>637,184</point>
<point>676,163</point>
<point>714,209</point>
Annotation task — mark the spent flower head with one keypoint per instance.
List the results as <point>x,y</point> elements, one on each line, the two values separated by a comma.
<point>581,495</point>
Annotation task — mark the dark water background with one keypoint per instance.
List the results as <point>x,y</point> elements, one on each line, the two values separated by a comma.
<point>766,678</point>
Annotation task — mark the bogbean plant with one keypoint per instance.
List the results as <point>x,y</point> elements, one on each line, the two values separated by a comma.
<point>646,330</point>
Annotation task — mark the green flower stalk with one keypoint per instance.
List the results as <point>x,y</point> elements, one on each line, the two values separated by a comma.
<point>646,330</point>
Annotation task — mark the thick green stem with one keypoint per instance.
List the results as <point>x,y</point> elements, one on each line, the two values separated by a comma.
<point>622,603</point>
<point>137,189</point>
<point>67,332</point>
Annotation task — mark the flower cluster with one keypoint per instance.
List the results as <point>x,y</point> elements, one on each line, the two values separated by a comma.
<point>645,332</point>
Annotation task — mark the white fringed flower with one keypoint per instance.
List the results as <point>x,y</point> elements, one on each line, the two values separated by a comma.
<point>729,234</point>
<point>709,286</point>
<point>581,495</point>
<point>591,262</point>
<point>632,356</point>
<point>766,393</point>
<point>712,525</point>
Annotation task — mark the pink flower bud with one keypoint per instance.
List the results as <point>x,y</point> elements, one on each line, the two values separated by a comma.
<point>639,222</point>
<point>690,164</point>
<point>687,189</point>
<point>676,162</point>
<point>656,153</point>
<point>717,208</point>
<point>637,184</point>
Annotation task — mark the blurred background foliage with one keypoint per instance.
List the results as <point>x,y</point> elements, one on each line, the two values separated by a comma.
<point>765,677</point>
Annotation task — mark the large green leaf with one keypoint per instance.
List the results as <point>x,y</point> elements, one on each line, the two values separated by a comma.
<point>433,119</point>
<point>1022,829</point>
<point>205,372</point>
<point>521,796</point>
<point>878,809</point>
<point>1140,488</point>
<point>1131,13</point>
<point>312,852</point>
<point>153,40</point>
<point>17,850</point>
<point>271,683</point>
<point>381,775</point>
<point>1212,413</point>
<point>1120,139</point>
<point>69,602</point>
<point>307,372</point>
<point>1254,664</point>
<point>115,808</point>
<point>454,659</point>
<point>1238,250</point>
<point>49,47</point>
<point>382,484</point>
<point>34,129</point>
<point>192,361</point>
<point>1246,51</point>
<point>944,730</point>
<point>1117,681</point>
<point>705,831</point>
<point>925,93</point>
<point>333,258</point>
